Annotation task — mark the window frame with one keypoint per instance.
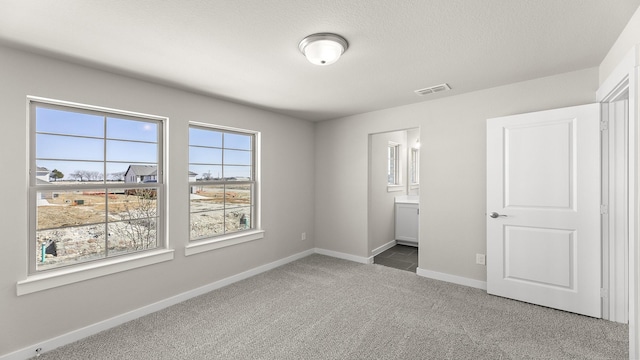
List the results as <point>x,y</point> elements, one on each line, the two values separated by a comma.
<point>207,243</point>
<point>47,278</point>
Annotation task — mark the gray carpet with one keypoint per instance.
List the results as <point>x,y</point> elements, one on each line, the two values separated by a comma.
<point>325,308</point>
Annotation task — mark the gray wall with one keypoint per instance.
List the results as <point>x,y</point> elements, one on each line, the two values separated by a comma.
<point>452,168</point>
<point>287,197</point>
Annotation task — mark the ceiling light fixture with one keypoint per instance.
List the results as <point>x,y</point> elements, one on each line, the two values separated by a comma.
<point>323,48</point>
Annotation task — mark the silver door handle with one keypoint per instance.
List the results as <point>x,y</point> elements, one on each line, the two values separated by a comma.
<point>496,215</point>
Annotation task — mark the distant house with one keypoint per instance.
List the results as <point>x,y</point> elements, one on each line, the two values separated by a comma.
<point>42,178</point>
<point>146,173</point>
<point>42,173</point>
<point>141,173</point>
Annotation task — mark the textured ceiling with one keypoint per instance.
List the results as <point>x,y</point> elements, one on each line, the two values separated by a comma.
<point>247,50</point>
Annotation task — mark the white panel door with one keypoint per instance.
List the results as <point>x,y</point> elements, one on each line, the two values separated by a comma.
<point>543,208</point>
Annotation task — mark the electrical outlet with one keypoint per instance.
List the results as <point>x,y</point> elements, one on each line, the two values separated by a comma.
<point>480,259</point>
<point>303,236</point>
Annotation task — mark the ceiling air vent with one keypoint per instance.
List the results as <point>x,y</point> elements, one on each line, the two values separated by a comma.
<point>433,89</point>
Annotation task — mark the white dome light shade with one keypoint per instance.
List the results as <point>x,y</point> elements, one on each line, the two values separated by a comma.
<point>324,48</point>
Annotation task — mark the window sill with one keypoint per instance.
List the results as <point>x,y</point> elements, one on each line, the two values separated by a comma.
<point>394,188</point>
<point>219,242</point>
<point>70,275</point>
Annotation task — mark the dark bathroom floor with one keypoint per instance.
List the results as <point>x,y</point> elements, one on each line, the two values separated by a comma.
<point>400,257</point>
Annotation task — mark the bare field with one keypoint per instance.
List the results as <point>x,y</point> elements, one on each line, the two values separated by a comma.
<point>75,208</point>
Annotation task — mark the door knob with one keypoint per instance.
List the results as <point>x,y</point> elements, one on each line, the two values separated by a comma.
<point>496,215</point>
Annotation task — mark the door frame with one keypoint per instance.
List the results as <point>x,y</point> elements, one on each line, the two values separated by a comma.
<point>626,77</point>
<point>615,206</point>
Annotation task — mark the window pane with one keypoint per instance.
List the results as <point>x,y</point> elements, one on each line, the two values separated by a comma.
<point>205,155</point>
<point>58,209</point>
<point>132,130</point>
<point>131,151</point>
<point>116,171</point>
<point>207,198</point>
<point>414,165</point>
<point>67,171</point>
<point>207,224</point>
<point>237,157</point>
<point>69,246</point>
<point>238,195</point>
<point>138,203</point>
<point>391,165</point>
<point>237,172</point>
<point>237,141</point>
<point>238,219</point>
<point>206,172</point>
<point>134,235</point>
<point>68,148</point>
<point>205,137</point>
<point>68,123</point>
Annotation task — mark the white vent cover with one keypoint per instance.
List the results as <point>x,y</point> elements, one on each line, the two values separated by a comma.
<point>433,89</point>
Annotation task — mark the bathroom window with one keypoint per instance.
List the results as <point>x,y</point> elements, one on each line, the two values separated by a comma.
<point>393,164</point>
<point>96,185</point>
<point>415,166</point>
<point>222,181</point>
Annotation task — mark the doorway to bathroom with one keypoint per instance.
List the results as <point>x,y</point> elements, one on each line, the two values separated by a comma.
<point>393,193</point>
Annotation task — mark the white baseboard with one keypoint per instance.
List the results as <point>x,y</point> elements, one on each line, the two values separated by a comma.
<point>345,256</point>
<point>383,248</point>
<point>50,344</point>
<point>452,279</point>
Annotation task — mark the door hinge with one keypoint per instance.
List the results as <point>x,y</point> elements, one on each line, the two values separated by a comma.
<point>604,293</point>
<point>604,209</point>
<point>604,125</point>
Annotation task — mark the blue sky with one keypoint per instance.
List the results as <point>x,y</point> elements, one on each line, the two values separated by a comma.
<point>70,141</point>
<point>205,156</point>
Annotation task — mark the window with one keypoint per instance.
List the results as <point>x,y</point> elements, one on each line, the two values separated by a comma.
<point>393,164</point>
<point>222,181</point>
<point>415,166</point>
<point>96,188</point>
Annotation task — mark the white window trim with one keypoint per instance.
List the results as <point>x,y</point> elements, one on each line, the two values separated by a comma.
<point>208,244</point>
<point>71,274</point>
<point>394,188</point>
<point>68,275</point>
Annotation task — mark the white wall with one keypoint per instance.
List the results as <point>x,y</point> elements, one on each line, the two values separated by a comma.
<point>287,197</point>
<point>452,167</point>
<point>629,37</point>
<point>381,201</point>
